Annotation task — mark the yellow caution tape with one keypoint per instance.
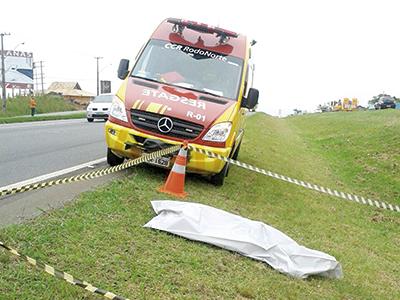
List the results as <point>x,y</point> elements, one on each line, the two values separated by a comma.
<point>62,275</point>
<point>321,189</point>
<point>93,174</point>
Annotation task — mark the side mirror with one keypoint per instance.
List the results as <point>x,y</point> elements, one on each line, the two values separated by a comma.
<point>123,68</point>
<point>252,99</point>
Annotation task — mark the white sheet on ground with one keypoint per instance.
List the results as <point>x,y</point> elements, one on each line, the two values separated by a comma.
<point>250,238</point>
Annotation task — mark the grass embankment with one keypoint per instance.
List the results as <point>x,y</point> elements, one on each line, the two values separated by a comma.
<point>18,109</point>
<point>100,237</point>
<point>10,120</point>
<point>19,106</point>
<point>362,148</point>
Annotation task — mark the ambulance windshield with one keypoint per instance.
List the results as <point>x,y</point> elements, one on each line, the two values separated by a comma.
<point>191,68</point>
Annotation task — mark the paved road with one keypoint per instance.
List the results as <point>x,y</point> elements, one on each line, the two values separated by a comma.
<point>32,149</point>
<point>21,207</point>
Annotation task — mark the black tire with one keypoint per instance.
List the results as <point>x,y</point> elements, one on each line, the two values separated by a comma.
<point>112,159</point>
<point>90,120</point>
<point>218,179</point>
<point>236,154</point>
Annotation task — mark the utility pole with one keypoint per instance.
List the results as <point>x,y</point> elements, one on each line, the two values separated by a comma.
<point>36,65</point>
<point>3,73</point>
<point>35,79</point>
<point>41,75</point>
<point>97,58</point>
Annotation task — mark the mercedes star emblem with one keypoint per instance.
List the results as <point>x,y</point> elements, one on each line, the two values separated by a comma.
<point>165,124</point>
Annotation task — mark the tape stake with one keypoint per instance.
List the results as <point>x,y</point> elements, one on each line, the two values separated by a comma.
<point>62,275</point>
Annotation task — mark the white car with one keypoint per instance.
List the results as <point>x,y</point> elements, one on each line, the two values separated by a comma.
<point>99,107</point>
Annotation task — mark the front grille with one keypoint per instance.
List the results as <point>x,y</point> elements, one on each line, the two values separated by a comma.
<point>181,129</point>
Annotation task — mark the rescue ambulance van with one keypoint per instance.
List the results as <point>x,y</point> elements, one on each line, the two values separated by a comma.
<point>190,82</point>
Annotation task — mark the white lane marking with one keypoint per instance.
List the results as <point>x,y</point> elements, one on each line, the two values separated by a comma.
<point>52,175</point>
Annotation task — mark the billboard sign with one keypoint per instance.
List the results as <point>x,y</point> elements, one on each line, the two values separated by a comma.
<point>105,86</point>
<point>18,67</point>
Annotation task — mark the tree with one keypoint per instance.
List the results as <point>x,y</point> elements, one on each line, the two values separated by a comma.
<point>375,99</point>
<point>297,111</point>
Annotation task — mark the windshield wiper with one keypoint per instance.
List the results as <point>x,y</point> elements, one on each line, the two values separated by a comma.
<point>149,79</point>
<point>176,85</point>
<point>196,90</point>
<point>212,94</point>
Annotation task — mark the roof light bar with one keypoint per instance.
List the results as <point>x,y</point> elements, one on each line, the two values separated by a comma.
<point>223,34</point>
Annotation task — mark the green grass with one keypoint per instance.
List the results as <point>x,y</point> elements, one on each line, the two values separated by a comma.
<point>362,148</point>
<point>19,106</point>
<point>99,238</point>
<point>42,118</point>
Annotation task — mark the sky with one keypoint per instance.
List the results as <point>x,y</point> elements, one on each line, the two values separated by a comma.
<point>308,52</point>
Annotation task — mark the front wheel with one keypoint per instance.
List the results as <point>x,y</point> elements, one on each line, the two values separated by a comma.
<point>112,159</point>
<point>236,154</point>
<point>234,157</point>
<point>218,179</point>
<point>90,119</point>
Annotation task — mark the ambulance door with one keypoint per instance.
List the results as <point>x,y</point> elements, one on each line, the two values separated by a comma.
<point>243,111</point>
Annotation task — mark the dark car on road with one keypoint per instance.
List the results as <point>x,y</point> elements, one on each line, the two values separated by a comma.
<point>385,103</point>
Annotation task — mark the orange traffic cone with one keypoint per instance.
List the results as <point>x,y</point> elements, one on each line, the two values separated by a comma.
<point>175,183</point>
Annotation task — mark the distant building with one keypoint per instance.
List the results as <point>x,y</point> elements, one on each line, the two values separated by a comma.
<point>70,91</point>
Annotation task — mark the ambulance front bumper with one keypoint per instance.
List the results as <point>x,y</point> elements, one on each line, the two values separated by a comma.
<point>130,143</point>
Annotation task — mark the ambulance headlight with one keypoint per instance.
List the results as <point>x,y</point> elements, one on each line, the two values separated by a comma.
<point>117,109</point>
<point>219,132</point>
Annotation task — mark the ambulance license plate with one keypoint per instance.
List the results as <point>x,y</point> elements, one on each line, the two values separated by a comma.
<point>160,161</point>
